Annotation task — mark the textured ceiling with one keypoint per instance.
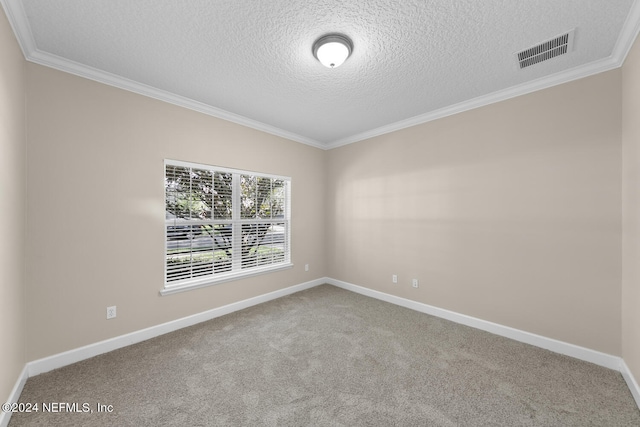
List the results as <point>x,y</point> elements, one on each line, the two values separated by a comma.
<point>251,62</point>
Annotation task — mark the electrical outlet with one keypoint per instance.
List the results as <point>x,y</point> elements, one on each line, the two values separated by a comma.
<point>111,312</point>
<point>306,267</point>
<point>414,283</point>
<point>394,278</point>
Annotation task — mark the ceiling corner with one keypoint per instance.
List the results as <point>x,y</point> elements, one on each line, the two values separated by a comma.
<point>628,35</point>
<point>17,17</point>
<point>20,26</point>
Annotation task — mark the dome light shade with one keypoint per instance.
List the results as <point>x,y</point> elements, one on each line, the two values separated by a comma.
<point>332,50</point>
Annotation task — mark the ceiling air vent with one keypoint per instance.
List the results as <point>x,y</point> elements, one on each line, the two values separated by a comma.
<point>546,50</point>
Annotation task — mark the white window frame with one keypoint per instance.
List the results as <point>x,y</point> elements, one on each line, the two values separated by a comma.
<point>237,272</point>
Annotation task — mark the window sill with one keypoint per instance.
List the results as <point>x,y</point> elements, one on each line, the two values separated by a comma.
<point>218,279</point>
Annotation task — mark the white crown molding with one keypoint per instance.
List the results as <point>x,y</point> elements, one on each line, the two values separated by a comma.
<point>20,25</point>
<point>484,100</point>
<point>625,41</point>
<point>100,76</point>
<point>628,35</point>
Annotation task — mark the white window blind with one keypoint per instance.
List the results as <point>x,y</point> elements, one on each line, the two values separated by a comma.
<point>223,224</point>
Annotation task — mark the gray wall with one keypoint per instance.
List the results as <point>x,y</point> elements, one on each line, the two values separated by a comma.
<point>12,208</point>
<point>96,177</point>
<point>631,210</point>
<point>515,213</point>
<point>510,213</point>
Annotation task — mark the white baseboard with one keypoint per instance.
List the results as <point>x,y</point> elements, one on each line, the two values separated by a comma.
<point>63,359</point>
<point>14,396</point>
<point>593,356</point>
<point>631,381</point>
<point>602,359</point>
<point>72,356</point>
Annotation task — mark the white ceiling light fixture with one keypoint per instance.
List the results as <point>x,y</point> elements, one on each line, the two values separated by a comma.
<point>332,49</point>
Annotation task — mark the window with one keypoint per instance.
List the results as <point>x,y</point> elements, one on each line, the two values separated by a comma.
<point>223,224</point>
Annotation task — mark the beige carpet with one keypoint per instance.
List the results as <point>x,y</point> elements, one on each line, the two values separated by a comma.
<point>329,357</point>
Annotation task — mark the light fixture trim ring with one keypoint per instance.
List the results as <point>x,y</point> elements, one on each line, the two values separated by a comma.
<point>333,38</point>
